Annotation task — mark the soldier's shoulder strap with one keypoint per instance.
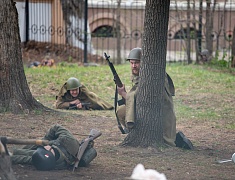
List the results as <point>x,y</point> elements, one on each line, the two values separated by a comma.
<point>171,85</point>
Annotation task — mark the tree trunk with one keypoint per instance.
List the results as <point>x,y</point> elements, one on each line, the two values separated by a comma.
<point>233,49</point>
<point>209,26</point>
<point>15,94</point>
<point>195,32</point>
<point>118,31</point>
<point>148,129</point>
<point>73,11</point>
<point>188,42</point>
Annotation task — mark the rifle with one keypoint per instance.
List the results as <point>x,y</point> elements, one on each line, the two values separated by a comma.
<point>118,83</point>
<point>116,78</point>
<point>74,106</point>
<point>92,135</point>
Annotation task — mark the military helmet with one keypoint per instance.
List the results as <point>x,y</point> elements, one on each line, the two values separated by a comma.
<point>43,159</point>
<point>205,52</point>
<point>73,83</point>
<point>135,54</point>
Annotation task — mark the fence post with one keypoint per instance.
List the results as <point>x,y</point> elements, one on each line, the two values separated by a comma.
<point>200,28</point>
<point>85,31</point>
<point>26,21</point>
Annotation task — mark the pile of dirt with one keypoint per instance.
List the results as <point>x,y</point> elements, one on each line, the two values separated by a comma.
<point>37,51</point>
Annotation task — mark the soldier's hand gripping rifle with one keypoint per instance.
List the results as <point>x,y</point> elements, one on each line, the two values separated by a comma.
<point>74,106</point>
<point>118,83</point>
<point>92,135</point>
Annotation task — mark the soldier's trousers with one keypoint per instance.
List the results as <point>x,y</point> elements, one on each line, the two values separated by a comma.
<point>127,114</point>
<point>22,156</point>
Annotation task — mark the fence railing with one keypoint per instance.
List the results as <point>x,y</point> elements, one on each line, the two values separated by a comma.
<point>115,28</point>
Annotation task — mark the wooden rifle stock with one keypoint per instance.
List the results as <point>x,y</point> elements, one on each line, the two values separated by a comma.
<point>92,135</point>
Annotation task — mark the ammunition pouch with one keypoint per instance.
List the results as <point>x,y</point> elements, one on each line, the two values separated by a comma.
<point>87,157</point>
<point>121,102</point>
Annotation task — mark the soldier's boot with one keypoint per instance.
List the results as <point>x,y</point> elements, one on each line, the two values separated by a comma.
<point>182,142</point>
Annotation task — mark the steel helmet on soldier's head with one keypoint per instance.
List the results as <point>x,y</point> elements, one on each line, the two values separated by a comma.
<point>205,52</point>
<point>73,83</point>
<point>43,159</point>
<point>135,54</point>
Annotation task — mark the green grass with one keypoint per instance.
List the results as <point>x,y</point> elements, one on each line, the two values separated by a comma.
<point>202,93</point>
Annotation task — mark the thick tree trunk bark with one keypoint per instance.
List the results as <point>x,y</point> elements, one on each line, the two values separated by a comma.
<point>148,130</point>
<point>15,94</point>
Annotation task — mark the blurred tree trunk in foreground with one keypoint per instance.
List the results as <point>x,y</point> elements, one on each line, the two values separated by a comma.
<point>6,172</point>
<point>148,129</point>
<point>15,94</point>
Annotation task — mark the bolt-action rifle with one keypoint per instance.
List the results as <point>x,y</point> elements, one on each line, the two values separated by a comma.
<point>116,78</point>
<point>118,83</point>
<point>92,135</point>
<point>74,106</point>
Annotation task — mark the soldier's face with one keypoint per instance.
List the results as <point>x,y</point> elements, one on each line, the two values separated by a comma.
<point>74,92</point>
<point>49,148</point>
<point>135,67</point>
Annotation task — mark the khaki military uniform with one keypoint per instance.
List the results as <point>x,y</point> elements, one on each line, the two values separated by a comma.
<point>61,140</point>
<point>84,96</point>
<point>126,113</point>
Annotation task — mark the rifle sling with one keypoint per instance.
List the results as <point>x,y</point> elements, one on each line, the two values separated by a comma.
<point>62,151</point>
<point>115,109</point>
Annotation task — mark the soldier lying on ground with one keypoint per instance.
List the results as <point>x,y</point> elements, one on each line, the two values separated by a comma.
<point>127,113</point>
<point>74,95</point>
<point>61,153</point>
<point>44,62</point>
<point>205,56</point>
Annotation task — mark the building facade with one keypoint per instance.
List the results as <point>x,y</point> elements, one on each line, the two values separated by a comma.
<point>106,18</point>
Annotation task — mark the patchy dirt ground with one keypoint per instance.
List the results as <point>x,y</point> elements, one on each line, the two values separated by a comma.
<point>116,162</point>
<point>212,142</point>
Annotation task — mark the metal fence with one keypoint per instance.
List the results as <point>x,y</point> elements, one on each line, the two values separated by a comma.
<point>82,32</point>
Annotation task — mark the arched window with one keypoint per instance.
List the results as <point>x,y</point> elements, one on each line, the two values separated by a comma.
<point>104,31</point>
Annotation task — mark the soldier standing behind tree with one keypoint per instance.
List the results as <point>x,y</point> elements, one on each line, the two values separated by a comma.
<point>127,113</point>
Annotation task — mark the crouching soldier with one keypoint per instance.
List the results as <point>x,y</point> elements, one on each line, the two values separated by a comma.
<point>61,153</point>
